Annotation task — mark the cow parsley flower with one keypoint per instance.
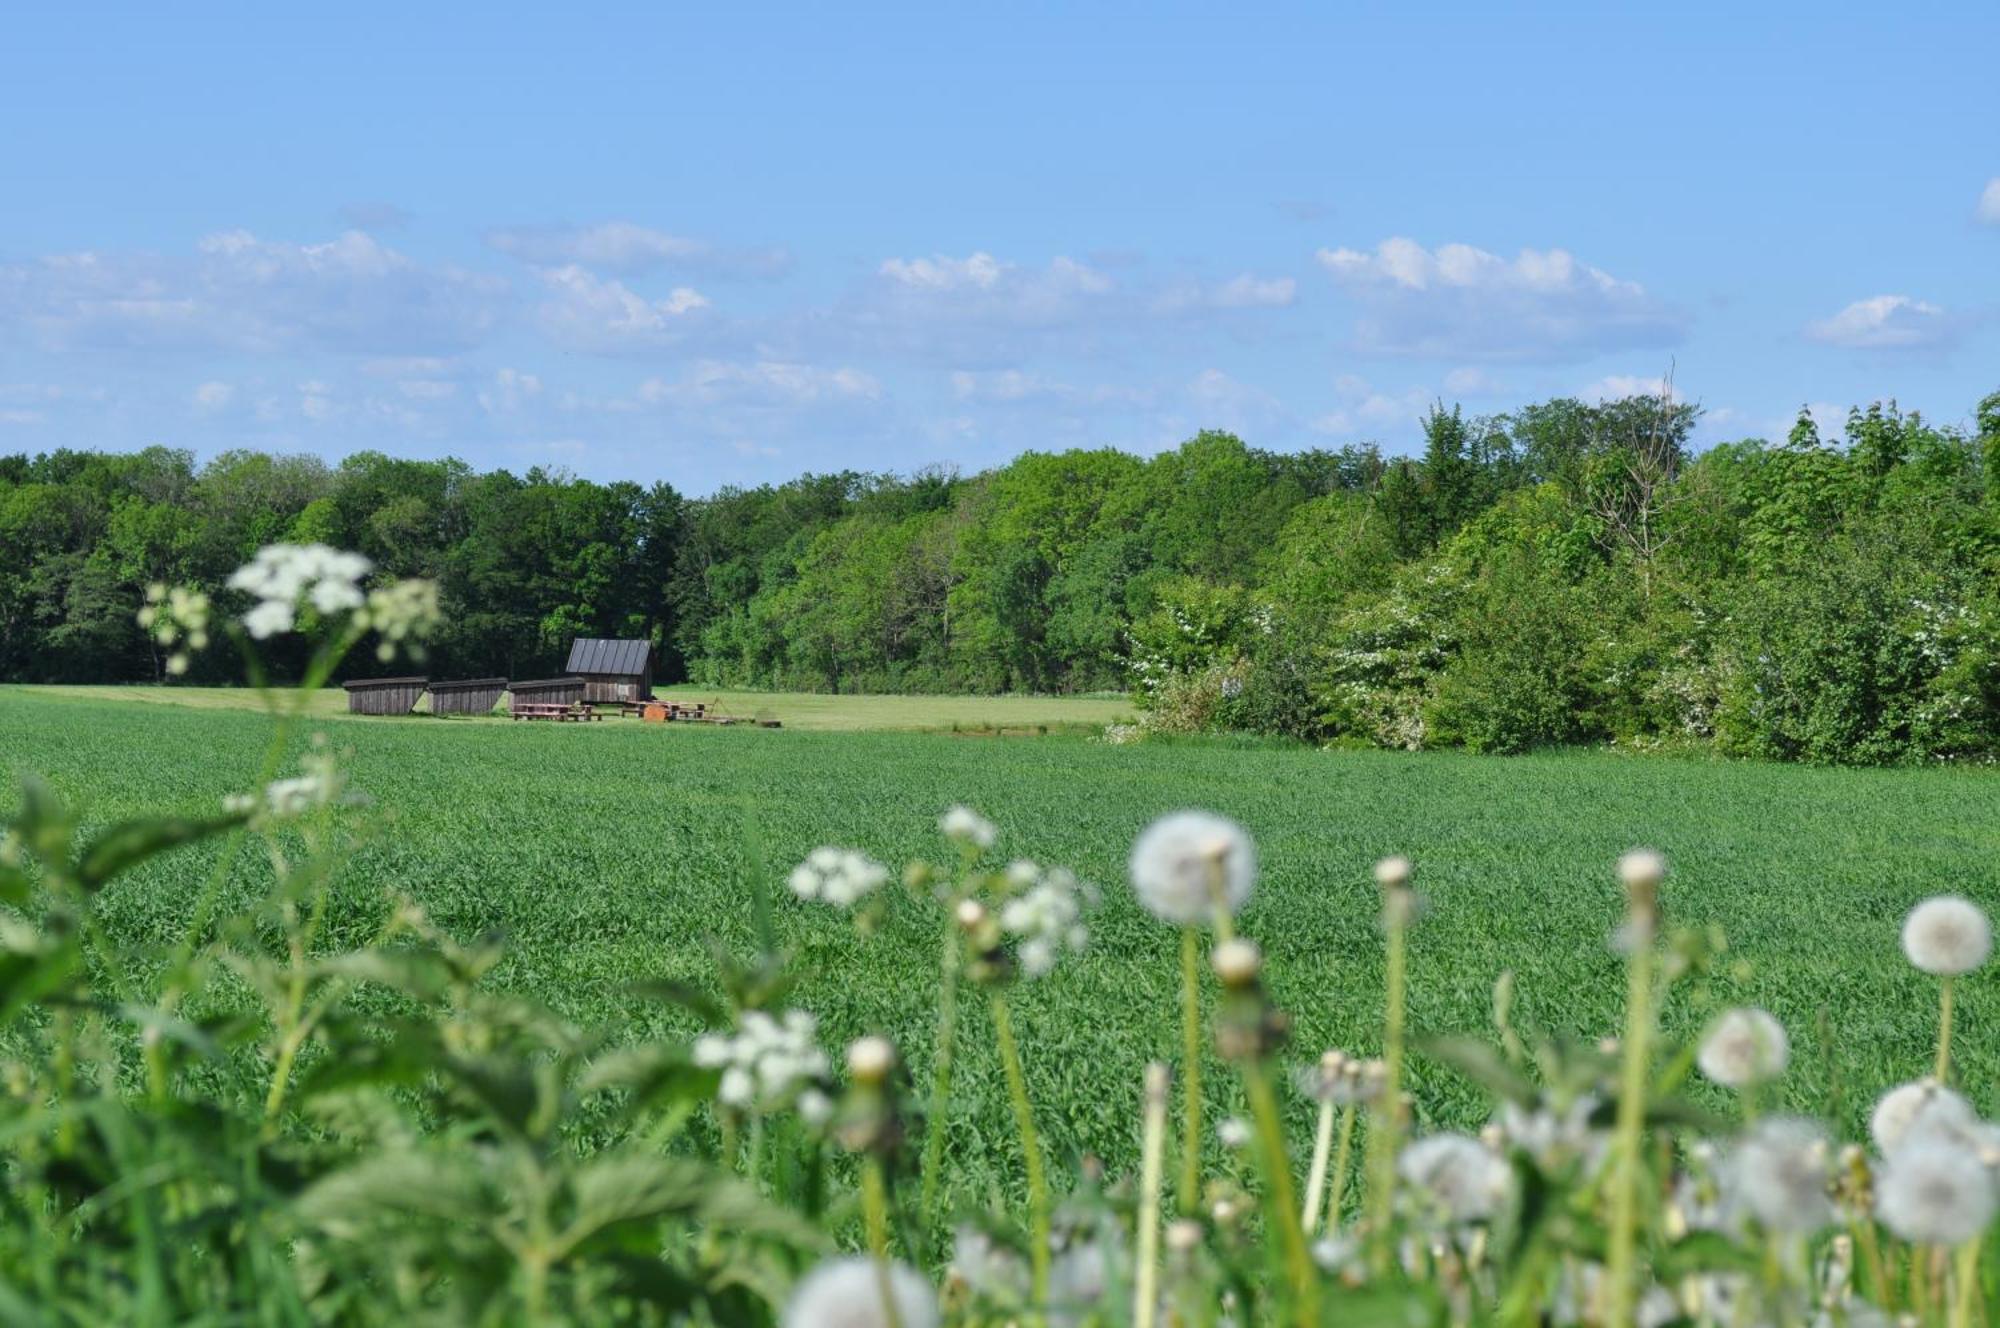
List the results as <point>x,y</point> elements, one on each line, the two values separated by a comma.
<point>403,615</point>
<point>1947,935</point>
<point>837,876</point>
<point>767,1064</point>
<point>1746,1047</point>
<point>176,615</point>
<point>847,1293</point>
<point>1188,865</point>
<point>321,783</point>
<point>1779,1174</point>
<point>1455,1177</point>
<point>1046,917</point>
<point>1934,1191</point>
<point>1925,1102</point>
<point>281,575</point>
<point>965,826</point>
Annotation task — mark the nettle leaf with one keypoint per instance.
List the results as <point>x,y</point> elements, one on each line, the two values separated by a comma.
<point>1703,1252</point>
<point>1482,1064</point>
<point>395,1185</point>
<point>423,974</point>
<point>130,843</point>
<point>654,1073</point>
<point>617,1188</point>
<point>404,1059</point>
<point>43,823</point>
<point>32,972</point>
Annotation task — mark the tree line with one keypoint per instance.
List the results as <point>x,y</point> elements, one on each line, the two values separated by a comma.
<point>1567,572</point>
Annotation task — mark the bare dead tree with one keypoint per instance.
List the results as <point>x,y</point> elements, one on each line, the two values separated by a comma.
<point>1633,505</point>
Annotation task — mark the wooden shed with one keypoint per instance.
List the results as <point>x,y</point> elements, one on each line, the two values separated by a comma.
<point>612,670</point>
<point>466,696</point>
<point>383,696</point>
<point>545,691</point>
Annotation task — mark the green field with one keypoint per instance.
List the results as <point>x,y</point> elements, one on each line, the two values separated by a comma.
<point>609,852</point>
<point>794,710</point>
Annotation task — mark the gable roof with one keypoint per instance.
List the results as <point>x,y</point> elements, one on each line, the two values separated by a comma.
<point>591,655</point>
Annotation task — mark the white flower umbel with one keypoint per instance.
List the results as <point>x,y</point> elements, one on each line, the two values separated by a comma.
<point>962,825</point>
<point>837,876</point>
<point>176,616</point>
<point>1746,1047</point>
<point>1934,1191</point>
<point>1925,1103</point>
<point>322,783</point>
<point>403,615</point>
<point>847,1293</point>
<point>1189,866</point>
<point>281,575</point>
<point>767,1064</point>
<point>1947,935</point>
<point>1455,1178</point>
<point>1779,1174</point>
<point>1045,917</point>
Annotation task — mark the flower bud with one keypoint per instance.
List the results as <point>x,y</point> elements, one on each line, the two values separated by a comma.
<point>1237,962</point>
<point>870,1059</point>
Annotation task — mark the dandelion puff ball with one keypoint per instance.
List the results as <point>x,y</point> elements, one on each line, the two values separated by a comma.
<point>847,1293</point>
<point>1460,1175</point>
<point>1745,1048</point>
<point>1779,1175</point>
<point>1947,935</point>
<point>1926,1102</point>
<point>1186,864</point>
<point>1934,1192</point>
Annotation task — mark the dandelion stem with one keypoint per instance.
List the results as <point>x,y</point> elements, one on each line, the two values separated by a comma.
<point>875,1214</point>
<point>940,1104</point>
<point>1967,1290</point>
<point>1190,1188</point>
<point>1626,1142</point>
<point>1280,1198</point>
<point>1383,1124</point>
<point>1031,1146</point>
<point>1343,1160</point>
<point>1152,1154</point>
<point>1316,1176</point>
<point>1944,1030</point>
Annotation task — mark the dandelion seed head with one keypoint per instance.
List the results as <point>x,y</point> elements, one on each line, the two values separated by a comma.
<point>870,1059</point>
<point>847,1293</point>
<point>1183,1235</point>
<point>1187,865</point>
<point>1926,1103</point>
<point>1934,1191</point>
<point>1947,935</point>
<point>1779,1172</point>
<point>1641,867</point>
<point>1393,873</point>
<point>1746,1047</point>
<point>1233,1132</point>
<point>1237,962</point>
<point>1455,1177</point>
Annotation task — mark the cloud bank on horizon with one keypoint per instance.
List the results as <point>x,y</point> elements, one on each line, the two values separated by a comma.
<point>811,247</point>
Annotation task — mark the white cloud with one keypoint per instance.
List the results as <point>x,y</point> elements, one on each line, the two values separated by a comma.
<point>213,396</point>
<point>981,288</point>
<point>1886,322</point>
<point>1470,382</point>
<point>628,249</point>
<point>240,292</point>
<point>316,401</point>
<point>589,312</point>
<point>1463,302</point>
<point>1363,409</point>
<point>1989,202</point>
<point>760,383</point>
<point>1247,291</point>
<point>1616,387</point>
<point>511,390</point>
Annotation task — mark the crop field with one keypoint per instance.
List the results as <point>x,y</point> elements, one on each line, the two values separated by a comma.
<point>609,853</point>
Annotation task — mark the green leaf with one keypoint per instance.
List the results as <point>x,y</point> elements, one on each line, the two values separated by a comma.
<point>130,843</point>
<point>1482,1064</point>
<point>654,1073</point>
<point>616,1188</point>
<point>423,974</point>
<point>711,1010</point>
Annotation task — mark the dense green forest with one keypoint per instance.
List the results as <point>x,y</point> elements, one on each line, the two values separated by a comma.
<point>1566,573</point>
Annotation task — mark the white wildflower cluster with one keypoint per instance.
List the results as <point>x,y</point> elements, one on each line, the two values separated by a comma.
<point>176,616</point>
<point>320,783</point>
<point>281,575</point>
<point>769,1064</point>
<point>1343,1080</point>
<point>1044,915</point>
<point>403,615</point>
<point>837,876</point>
<point>964,826</point>
<point>1189,866</point>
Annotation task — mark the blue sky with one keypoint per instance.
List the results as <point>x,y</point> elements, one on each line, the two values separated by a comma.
<point>732,243</point>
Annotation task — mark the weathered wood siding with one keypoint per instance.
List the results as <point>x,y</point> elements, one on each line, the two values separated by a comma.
<point>547,691</point>
<point>618,686</point>
<point>383,696</point>
<point>466,696</point>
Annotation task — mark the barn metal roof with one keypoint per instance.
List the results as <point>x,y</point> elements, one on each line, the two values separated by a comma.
<point>362,684</point>
<point>590,655</point>
<point>467,684</point>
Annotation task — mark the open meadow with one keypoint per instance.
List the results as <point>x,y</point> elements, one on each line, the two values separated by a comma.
<point>608,853</point>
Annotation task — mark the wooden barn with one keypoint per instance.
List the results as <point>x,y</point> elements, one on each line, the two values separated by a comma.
<point>383,696</point>
<point>466,696</point>
<point>612,670</point>
<point>545,691</point>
